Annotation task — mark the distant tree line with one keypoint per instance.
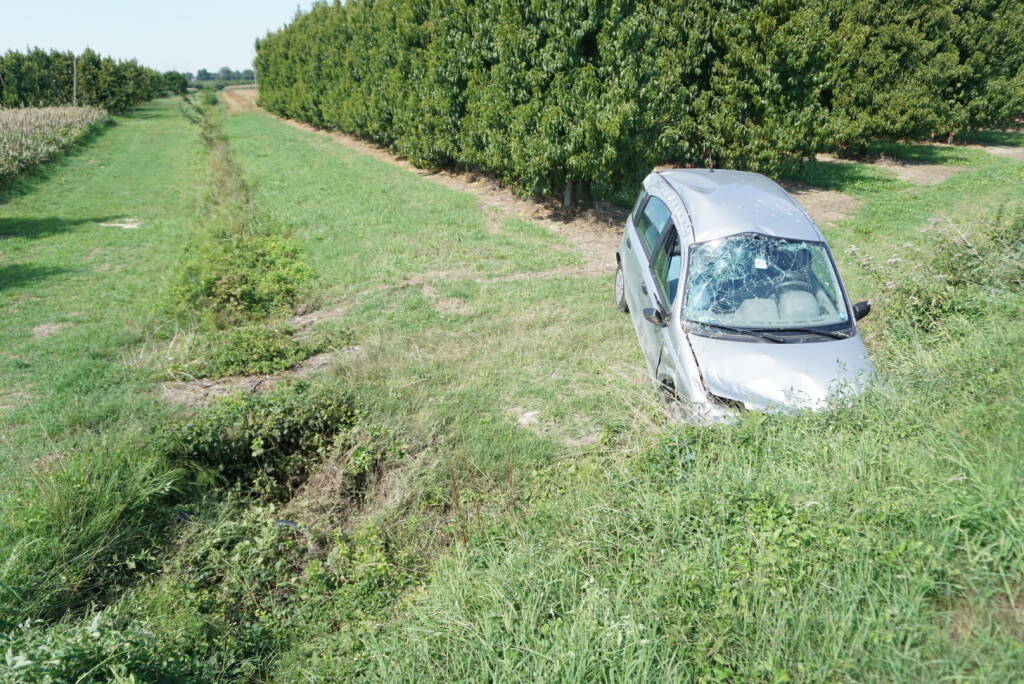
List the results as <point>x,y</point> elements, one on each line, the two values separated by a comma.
<point>594,92</point>
<point>38,78</point>
<point>223,74</point>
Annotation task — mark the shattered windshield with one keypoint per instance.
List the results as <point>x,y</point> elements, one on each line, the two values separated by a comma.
<point>758,281</point>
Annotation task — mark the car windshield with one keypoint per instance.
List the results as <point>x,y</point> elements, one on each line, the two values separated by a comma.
<point>762,282</point>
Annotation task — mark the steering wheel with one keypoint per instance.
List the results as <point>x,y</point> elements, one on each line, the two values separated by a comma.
<point>796,283</point>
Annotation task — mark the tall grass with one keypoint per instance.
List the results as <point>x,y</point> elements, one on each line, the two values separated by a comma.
<point>877,541</point>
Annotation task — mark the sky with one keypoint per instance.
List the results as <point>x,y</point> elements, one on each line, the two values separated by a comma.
<point>179,35</point>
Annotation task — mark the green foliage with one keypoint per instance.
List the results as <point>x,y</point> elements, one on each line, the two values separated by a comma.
<point>266,443</point>
<point>595,93</point>
<point>239,276</point>
<point>79,528</point>
<point>239,266</point>
<point>95,651</point>
<point>38,79</point>
<point>209,96</point>
<point>174,83</point>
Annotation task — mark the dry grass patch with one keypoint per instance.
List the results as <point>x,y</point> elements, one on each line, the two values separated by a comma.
<point>47,329</point>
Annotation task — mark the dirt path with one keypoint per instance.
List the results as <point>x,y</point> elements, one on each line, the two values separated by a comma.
<point>240,99</point>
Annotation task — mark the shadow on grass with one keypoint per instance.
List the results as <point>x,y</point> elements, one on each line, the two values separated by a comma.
<point>921,154</point>
<point>1008,138</point>
<point>20,275</point>
<point>853,179</point>
<point>32,228</point>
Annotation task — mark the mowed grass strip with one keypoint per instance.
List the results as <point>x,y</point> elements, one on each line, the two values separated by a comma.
<point>79,298</point>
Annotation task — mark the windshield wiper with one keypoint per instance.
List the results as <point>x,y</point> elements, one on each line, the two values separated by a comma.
<point>747,331</point>
<point>834,334</point>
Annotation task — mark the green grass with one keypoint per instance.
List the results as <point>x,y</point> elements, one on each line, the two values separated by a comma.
<point>507,502</point>
<point>102,284</point>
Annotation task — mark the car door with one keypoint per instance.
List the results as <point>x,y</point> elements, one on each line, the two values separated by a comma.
<point>644,234</point>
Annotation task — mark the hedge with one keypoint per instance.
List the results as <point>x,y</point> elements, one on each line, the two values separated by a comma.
<point>38,78</point>
<point>543,93</point>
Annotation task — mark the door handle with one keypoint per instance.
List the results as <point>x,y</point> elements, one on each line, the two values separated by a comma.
<point>643,287</point>
<point>629,243</point>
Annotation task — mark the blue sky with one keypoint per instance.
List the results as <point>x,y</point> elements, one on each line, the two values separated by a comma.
<point>185,35</point>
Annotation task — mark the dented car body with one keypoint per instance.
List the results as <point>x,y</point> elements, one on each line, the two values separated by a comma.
<point>736,298</point>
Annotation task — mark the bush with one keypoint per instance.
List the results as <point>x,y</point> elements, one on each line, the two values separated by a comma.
<point>239,276</point>
<point>593,94</point>
<point>209,97</point>
<point>264,443</point>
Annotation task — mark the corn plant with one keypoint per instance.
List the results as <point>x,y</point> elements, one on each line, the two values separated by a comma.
<point>30,136</point>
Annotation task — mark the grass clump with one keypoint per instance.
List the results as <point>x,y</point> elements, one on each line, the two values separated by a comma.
<point>956,272</point>
<point>78,529</point>
<point>85,526</point>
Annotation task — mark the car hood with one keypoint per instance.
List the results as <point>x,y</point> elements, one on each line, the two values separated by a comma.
<point>769,376</point>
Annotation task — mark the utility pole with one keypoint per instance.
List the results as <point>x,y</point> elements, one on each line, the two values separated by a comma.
<point>74,79</point>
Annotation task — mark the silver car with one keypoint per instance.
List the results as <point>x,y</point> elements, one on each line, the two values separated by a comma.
<point>735,296</point>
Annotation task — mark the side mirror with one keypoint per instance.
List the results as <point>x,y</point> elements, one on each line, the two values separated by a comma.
<point>860,310</point>
<point>655,316</point>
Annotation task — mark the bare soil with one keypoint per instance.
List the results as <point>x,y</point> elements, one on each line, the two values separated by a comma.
<point>823,206</point>
<point>125,223</point>
<point>240,99</point>
<point>203,391</point>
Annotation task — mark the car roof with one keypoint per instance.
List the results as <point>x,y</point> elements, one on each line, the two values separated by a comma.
<point>719,203</point>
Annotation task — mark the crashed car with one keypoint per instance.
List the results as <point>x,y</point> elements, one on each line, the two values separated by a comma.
<point>736,298</point>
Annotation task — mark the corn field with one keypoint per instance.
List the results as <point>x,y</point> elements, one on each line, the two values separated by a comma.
<point>30,136</point>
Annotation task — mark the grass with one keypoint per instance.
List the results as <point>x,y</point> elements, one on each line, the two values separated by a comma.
<point>506,500</point>
<point>99,286</point>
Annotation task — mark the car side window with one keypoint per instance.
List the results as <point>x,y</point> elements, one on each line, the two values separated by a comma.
<point>653,221</point>
<point>639,205</point>
<point>666,266</point>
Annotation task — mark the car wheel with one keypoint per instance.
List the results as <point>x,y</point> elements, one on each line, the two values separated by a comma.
<point>620,290</point>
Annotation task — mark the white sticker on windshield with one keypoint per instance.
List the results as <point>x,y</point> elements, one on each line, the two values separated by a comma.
<point>759,262</point>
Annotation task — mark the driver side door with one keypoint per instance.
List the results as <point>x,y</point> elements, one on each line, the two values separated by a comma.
<point>650,224</point>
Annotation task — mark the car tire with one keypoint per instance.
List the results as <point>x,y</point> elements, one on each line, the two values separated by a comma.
<point>620,290</point>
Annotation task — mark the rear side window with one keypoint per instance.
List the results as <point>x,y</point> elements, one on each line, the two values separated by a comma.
<point>653,221</point>
<point>639,205</point>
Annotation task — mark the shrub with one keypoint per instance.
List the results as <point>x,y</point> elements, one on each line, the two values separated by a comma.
<point>209,97</point>
<point>959,272</point>
<point>264,443</point>
<point>592,94</point>
<point>240,275</point>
